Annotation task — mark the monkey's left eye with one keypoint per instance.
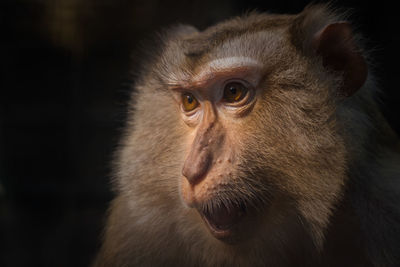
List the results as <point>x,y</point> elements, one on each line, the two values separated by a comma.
<point>234,92</point>
<point>189,102</point>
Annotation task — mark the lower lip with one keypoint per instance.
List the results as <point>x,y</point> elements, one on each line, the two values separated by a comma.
<point>218,233</point>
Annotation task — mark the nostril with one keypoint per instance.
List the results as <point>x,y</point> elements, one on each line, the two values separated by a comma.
<point>196,167</point>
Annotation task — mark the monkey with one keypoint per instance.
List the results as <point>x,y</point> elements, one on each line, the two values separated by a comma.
<point>256,142</point>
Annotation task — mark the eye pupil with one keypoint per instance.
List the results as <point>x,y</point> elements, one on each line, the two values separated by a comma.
<point>233,90</point>
<point>189,99</point>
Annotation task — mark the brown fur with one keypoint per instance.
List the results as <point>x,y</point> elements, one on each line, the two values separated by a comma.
<point>322,170</point>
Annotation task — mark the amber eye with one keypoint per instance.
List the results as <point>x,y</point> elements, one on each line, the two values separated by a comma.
<point>234,92</point>
<point>189,102</point>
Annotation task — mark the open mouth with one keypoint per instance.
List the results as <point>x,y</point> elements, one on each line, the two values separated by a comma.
<point>222,219</point>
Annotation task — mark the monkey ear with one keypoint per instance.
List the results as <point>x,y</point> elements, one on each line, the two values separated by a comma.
<point>336,45</point>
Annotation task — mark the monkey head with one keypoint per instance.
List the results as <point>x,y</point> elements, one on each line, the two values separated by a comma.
<point>236,129</point>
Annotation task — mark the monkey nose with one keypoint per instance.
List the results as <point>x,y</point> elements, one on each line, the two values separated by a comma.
<point>196,166</point>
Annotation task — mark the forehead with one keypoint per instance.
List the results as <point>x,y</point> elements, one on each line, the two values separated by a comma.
<point>263,46</point>
<point>259,50</point>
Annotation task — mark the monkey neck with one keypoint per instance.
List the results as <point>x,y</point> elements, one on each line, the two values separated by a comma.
<point>374,190</point>
<point>367,217</point>
<point>345,242</point>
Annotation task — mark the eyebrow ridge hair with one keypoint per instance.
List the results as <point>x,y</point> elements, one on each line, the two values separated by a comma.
<point>211,68</point>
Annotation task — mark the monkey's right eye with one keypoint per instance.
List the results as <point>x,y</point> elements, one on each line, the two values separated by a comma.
<point>189,102</point>
<point>234,92</point>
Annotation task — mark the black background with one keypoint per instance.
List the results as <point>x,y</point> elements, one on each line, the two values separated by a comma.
<point>65,73</point>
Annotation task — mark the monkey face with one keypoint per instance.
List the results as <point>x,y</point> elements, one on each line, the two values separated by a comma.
<point>245,141</point>
<point>222,93</point>
<point>248,144</point>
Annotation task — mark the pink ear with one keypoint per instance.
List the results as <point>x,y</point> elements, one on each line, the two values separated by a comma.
<point>339,52</point>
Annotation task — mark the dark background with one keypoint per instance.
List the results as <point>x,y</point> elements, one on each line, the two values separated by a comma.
<point>65,73</point>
